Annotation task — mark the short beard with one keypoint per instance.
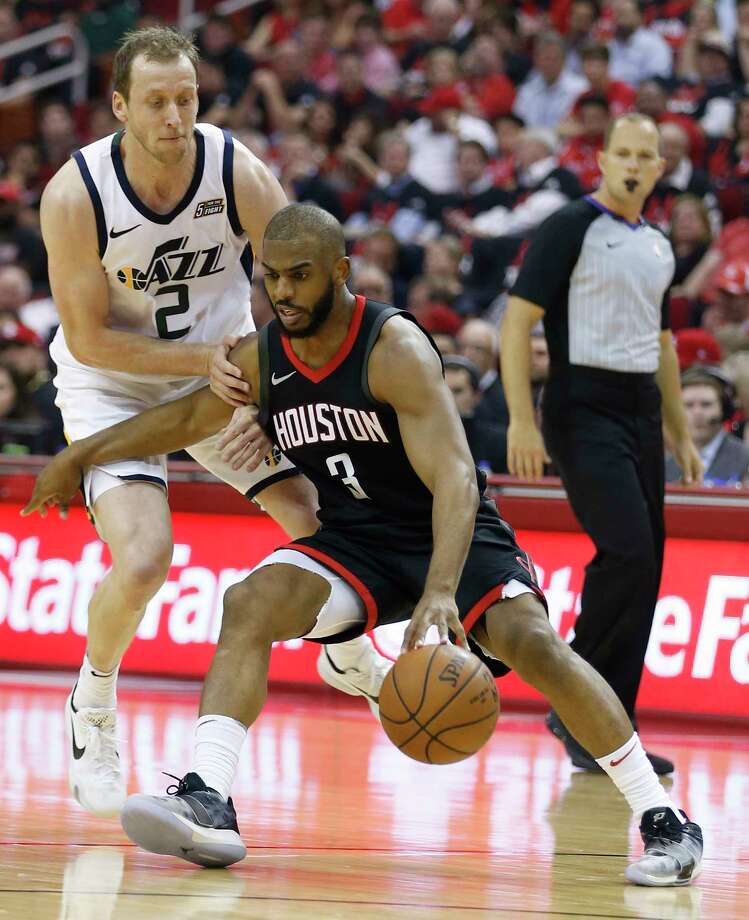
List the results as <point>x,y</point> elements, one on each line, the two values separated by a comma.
<point>319,313</point>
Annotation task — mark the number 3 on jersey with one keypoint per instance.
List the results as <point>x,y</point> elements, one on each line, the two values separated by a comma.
<point>175,309</point>
<point>347,474</point>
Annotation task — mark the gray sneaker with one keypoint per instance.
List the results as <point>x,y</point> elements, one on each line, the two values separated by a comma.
<point>191,822</point>
<point>673,851</point>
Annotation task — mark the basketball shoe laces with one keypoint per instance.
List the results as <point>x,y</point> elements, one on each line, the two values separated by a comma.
<point>673,842</point>
<point>102,743</point>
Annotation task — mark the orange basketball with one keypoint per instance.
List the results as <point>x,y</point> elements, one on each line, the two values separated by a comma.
<point>439,704</point>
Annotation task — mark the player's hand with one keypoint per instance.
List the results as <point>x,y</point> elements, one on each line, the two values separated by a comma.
<point>243,443</point>
<point>685,454</point>
<point>438,610</point>
<point>526,453</point>
<point>55,485</point>
<point>226,378</point>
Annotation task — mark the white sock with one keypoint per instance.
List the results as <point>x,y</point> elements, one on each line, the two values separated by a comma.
<point>218,743</point>
<point>347,654</point>
<point>96,689</point>
<point>634,777</point>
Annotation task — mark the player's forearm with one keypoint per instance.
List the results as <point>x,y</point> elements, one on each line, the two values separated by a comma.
<point>667,378</point>
<point>113,350</point>
<point>160,430</point>
<point>456,500</point>
<point>515,364</point>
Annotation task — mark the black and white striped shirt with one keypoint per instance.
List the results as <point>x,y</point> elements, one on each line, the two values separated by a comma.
<point>603,284</point>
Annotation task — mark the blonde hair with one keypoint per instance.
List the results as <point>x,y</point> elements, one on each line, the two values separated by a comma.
<point>156,43</point>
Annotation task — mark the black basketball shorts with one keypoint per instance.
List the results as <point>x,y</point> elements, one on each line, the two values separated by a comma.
<point>387,565</point>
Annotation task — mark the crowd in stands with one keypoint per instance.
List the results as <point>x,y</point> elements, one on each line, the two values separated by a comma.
<point>441,133</point>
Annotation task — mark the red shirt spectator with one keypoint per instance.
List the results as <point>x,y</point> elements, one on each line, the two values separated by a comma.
<point>652,100</point>
<point>595,65</point>
<point>580,154</point>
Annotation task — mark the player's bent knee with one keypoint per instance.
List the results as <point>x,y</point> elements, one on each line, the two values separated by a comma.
<point>520,633</point>
<point>143,570</point>
<point>267,607</point>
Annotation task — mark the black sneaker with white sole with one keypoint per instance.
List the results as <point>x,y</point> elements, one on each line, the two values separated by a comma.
<point>673,850</point>
<point>191,822</point>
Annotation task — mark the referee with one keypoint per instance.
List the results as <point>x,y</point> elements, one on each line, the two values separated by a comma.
<point>598,275</point>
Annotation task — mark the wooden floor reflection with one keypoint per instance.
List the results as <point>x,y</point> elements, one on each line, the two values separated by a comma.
<point>339,824</point>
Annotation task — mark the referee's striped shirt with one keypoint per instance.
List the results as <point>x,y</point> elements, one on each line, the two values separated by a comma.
<point>603,284</point>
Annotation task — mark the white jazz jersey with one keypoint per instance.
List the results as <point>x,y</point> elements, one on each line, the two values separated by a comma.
<point>183,276</point>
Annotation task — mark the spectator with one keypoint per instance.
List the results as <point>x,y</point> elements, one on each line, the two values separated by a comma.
<point>583,15</point>
<point>445,27</point>
<point>380,66</point>
<point>300,174</point>
<point>478,341</point>
<point>22,173</point>
<point>595,66</point>
<point>702,20</point>
<point>548,94</point>
<point>19,244</point>
<point>352,96</point>
<point>690,234</point>
<point>580,154</point>
<point>502,168</point>
<point>319,59</point>
<point>705,395</point>
<point>283,93</point>
<point>490,92</point>
<point>15,292</point>
<point>372,282</point>
<point>435,137</point>
<point>274,28</point>
<point>57,137</point>
<point>219,47</point>
<point>487,440</point>
<point>652,100</point>
<point>728,317</point>
<point>380,247</point>
<point>542,186</point>
<point>396,199</point>
<point>442,258</point>
<point>728,164</point>
<point>679,177</point>
<point>740,57</point>
<point>23,350</point>
<point>21,429</point>
<point>477,192</point>
<point>636,51</point>
<point>446,342</point>
<point>696,346</point>
<point>708,96</point>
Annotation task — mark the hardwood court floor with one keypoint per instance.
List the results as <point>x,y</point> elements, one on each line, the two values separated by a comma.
<point>341,826</point>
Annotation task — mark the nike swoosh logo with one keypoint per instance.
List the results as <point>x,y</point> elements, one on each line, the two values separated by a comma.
<point>614,245</point>
<point>276,380</point>
<point>115,233</point>
<point>77,752</point>
<point>615,763</point>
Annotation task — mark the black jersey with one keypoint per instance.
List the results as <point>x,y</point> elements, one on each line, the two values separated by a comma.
<point>327,422</point>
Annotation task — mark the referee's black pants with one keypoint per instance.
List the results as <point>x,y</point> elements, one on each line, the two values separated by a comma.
<point>603,431</point>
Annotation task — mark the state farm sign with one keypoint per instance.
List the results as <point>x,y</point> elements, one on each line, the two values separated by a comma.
<point>698,657</point>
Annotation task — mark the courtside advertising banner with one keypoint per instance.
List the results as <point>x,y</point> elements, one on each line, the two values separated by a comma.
<point>697,660</point>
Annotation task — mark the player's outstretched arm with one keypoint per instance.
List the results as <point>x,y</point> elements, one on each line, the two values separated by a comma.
<point>160,430</point>
<point>405,372</point>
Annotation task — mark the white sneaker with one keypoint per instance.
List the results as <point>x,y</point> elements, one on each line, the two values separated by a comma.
<point>362,678</point>
<point>94,773</point>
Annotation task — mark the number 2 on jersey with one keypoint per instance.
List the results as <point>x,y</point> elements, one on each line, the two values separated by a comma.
<point>163,313</point>
<point>347,474</point>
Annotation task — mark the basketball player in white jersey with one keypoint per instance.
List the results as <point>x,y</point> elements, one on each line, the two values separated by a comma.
<point>151,234</point>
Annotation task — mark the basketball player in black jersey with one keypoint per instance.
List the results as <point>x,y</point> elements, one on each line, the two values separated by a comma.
<point>352,391</point>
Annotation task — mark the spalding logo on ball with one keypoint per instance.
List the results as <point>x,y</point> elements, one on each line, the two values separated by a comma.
<point>439,704</point>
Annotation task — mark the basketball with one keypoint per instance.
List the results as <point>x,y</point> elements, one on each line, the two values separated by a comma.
<point>439,704</point>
